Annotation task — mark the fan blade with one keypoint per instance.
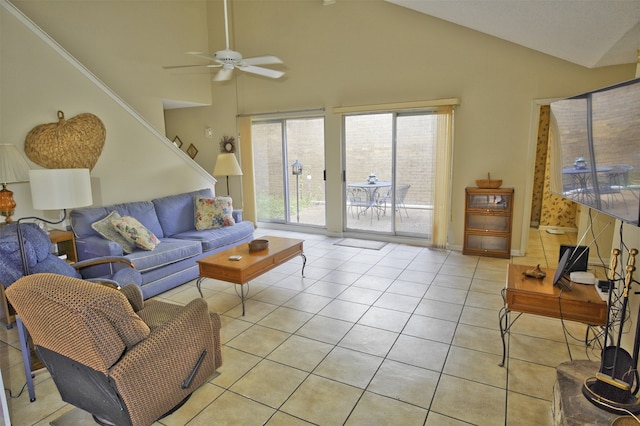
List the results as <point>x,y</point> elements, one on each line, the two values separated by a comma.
<point>266,72</point>
<point>201,55</point>
<point>191,66</point>
<point>262,60</point>
<point>223,74</point>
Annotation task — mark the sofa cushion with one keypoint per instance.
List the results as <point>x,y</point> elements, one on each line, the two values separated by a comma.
<point>105,228</point>
<point>169,251</point>
<point>213,212</point>
<point>212,239</point>
<point>176,213</point>
<point>135,232</point>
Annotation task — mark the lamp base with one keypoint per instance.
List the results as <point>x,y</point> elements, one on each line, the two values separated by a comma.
<point>7,205</point>
<point>7,216</point>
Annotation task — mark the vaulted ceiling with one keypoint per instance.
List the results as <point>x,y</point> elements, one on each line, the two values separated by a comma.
<point>591,33</point>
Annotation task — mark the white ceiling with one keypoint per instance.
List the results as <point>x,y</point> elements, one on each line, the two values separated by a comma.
<point>591,33</point>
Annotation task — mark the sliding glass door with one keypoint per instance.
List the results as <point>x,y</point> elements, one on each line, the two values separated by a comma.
<point>390,169</point>
<point>289,170</point>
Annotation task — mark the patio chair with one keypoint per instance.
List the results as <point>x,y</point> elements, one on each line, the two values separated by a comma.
<point>124,360</point>
<point>357,201</point>
<point>401,194</point>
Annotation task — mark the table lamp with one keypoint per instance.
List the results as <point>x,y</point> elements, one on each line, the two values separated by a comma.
<point>13,168</point>
<point>55,189</point>
<point>227,165</point>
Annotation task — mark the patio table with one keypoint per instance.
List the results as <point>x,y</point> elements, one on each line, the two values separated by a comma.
<point>371,189</point>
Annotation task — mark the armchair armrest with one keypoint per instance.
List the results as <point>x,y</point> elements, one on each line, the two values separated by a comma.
<point>168,357</point>
<point>103,260</point>
<point>119,270</point>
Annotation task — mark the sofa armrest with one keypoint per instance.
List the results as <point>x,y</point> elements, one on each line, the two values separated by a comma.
<point>95,246</point>
<point>237,215</point>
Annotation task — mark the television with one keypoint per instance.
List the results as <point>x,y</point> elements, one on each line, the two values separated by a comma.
<point>595,150</point>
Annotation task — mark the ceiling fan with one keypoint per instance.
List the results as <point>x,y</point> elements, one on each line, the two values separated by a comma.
<point>228,60</point>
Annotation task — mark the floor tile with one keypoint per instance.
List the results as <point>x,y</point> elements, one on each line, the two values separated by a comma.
<point>469,401</point>
<point>477,366</point>
<point>419,352</point>
<point>324,329</point>
<point>300,352</point>
<point>438,309</point>
<point>344,310</point>
<point>375,409</point>
<point>397,302</point>
<point>322,401</point>
<point>285,319</point>
<point>232,409</point>
<point>258,340</point>
<point>369,340</point>
<point>349,367</point>
<point>405,383</point>
<point>385,319</point>
<point>269,383</point>
<point>430,328</point>
<point>524,410</point>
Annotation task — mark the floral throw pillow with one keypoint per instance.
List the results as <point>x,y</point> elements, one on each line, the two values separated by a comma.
<point>135,232</point>
<point>213,213</point>
<point>108,231</point>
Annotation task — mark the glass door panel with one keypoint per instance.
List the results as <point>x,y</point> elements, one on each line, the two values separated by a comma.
<point>415,173</point>
<point>282,196</point>
<point>369,171</point>
<point>268,166</point>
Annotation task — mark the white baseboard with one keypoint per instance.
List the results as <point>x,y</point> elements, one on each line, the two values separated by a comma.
<point>558,229</point>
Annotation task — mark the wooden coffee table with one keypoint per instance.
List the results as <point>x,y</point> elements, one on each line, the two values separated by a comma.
<point>251,265</point>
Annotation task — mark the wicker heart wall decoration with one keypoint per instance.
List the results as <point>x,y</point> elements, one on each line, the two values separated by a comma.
<point>68,144</point>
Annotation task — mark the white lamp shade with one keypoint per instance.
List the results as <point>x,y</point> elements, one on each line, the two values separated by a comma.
<point>13,166</point>
<point>227,165</point>
<point>58,189</point>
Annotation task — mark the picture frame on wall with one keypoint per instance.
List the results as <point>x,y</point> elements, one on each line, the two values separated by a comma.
<point>192,151</point>
<point>177,142</point>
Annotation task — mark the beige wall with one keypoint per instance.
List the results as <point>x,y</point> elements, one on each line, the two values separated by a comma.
<point>35,82</point>
<point>349,53</point>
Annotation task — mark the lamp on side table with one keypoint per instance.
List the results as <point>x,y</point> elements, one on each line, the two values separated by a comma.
<point>227,165</point>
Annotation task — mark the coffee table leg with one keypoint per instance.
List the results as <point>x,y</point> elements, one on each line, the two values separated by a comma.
<point>304,262</point>
<point>242,297</point>
<point>198,283</point>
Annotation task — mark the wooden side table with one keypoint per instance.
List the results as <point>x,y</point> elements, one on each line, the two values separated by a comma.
<point>540,297</point>
<point>66,242</point>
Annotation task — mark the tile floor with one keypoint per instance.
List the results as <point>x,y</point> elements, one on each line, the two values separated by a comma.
<point>401,336</point>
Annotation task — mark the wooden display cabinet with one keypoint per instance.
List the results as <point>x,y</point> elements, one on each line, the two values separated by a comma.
<point>488,219</point>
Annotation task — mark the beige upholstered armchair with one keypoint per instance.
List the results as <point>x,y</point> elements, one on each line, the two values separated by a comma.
<point>125,361</point>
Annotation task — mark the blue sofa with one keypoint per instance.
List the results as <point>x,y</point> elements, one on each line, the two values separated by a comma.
<point>171,219</point>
